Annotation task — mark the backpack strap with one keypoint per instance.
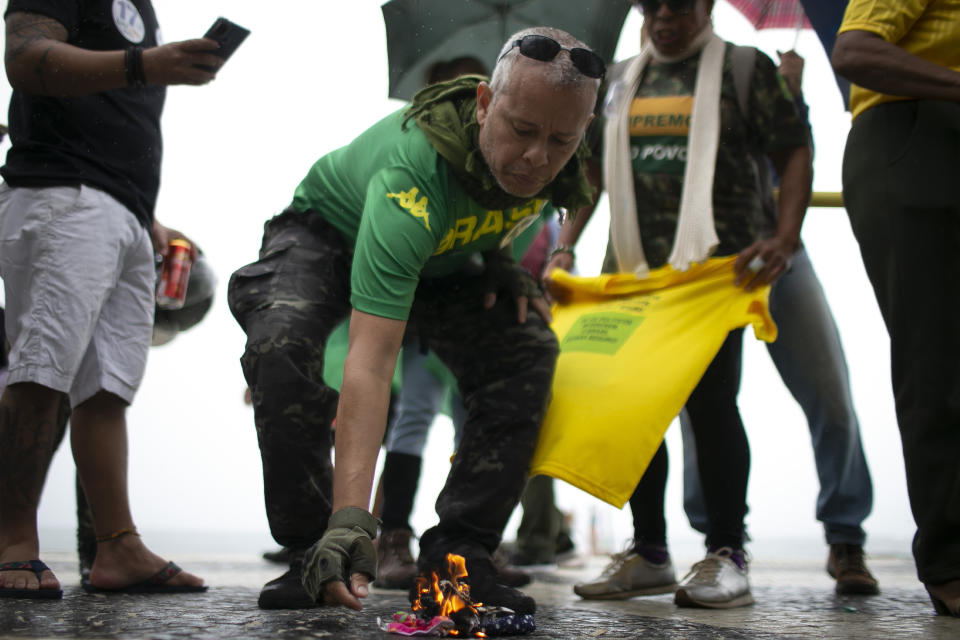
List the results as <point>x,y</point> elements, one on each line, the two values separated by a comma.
<point>744,60</point>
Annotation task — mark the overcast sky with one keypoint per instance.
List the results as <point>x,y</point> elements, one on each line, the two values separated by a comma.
<point>310,77</point>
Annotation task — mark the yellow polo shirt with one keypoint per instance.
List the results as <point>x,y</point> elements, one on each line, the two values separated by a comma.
<point>929,29</point>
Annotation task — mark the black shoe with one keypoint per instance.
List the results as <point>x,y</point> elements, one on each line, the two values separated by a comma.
<point>287,592</point>
<point>523,558</point>
<point>485,587</point>
<point>945,598</point>
<point>280,556</point>
<point>564,545</point>
<point>507,573</point>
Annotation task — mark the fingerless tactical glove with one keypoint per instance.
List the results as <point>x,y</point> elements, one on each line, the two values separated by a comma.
<point>502,273</point>
<point>345,548</point>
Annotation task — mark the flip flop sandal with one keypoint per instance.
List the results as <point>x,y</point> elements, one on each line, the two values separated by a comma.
<point>157,583</point>
<point>38,568</point>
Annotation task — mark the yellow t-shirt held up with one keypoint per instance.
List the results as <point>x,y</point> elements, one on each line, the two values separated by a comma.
<point>631,352</point>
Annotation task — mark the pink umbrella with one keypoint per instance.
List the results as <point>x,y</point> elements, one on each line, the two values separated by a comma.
<point>773,14</point>
<point>790,14</point>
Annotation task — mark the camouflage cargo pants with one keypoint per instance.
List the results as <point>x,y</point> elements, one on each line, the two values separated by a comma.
<point>288,303</point>
<point>504,372</point>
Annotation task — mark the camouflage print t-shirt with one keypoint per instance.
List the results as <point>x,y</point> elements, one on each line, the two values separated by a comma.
<point>660,125</point>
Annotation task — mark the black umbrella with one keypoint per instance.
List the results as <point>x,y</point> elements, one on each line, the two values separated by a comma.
<point>422,32</point>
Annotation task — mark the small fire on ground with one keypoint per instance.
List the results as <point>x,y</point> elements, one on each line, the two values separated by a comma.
<point>443,607</point>
<point>446,596</point>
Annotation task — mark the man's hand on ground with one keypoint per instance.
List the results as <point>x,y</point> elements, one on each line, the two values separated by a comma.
<point>336,593</point>
<point>344,553</point>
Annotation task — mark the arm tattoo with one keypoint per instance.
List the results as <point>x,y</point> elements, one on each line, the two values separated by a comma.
<point>25,29</point>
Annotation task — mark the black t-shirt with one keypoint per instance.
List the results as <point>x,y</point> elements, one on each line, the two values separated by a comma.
<point>109,140</point>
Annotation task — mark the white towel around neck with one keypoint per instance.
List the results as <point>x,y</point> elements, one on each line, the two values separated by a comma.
<point>696,236</point>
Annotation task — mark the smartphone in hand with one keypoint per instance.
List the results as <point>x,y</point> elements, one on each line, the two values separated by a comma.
<point>229,35</point>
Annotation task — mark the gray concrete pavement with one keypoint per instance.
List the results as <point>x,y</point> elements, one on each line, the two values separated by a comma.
<point>794,597</point>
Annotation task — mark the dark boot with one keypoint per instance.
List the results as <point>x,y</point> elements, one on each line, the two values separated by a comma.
<point>280,556</point>
<point>287,592</point>
<point>482,575</point>
<point>847,565</point>
<point>485,587</point>
<point>945,598</point>
<point>507,573</point>
<point>395,566</point>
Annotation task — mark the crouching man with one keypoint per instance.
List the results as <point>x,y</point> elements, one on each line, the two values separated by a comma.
<point>390,231</point>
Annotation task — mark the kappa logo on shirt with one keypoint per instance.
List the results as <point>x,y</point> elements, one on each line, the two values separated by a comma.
<point>417,208</point>
<point>128,21</point>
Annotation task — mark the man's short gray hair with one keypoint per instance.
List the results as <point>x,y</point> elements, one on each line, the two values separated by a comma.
<point>559,71</point>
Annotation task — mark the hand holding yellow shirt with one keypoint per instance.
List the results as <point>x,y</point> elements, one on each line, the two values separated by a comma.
<point>631,352</point>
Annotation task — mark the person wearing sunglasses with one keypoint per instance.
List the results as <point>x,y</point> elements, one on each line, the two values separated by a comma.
<point>679,164</point>
<point>407,231</point>
<point>676,7</point>
<point>545,49</point>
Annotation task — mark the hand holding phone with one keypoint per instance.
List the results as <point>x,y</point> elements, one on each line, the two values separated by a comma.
<point>228,35</point>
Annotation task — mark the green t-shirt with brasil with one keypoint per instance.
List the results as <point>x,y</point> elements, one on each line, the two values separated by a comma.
<point>397,201</point>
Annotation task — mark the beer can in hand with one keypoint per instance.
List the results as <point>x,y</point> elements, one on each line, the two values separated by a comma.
<point>174,275</point>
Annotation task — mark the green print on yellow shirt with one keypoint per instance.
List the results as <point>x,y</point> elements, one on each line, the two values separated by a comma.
<point>600,433</point>
<point>600,332</point>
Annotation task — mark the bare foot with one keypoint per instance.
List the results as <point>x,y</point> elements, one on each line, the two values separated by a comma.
<point>25,579</point>
<point>126,561</point>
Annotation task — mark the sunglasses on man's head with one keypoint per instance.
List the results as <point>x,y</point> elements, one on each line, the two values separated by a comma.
<point>545,49</point>
<point>679,7</point>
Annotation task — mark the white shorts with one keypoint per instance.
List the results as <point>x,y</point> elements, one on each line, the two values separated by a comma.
<point>78,271</point>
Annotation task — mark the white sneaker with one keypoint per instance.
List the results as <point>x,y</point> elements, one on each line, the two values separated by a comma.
<point>716,582</point>
<point>629,574</point>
